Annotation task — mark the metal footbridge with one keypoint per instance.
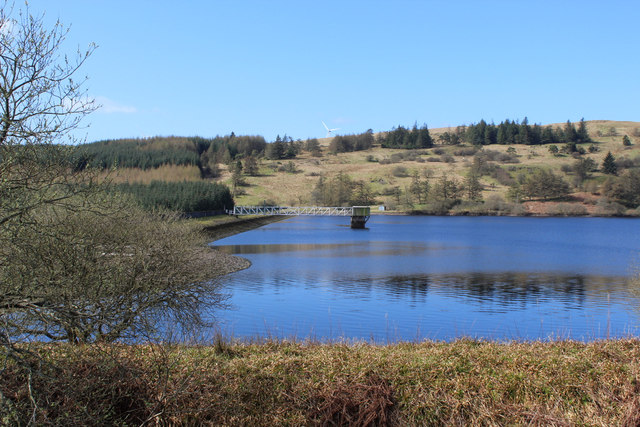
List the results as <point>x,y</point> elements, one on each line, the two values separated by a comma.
<point>359,214</point>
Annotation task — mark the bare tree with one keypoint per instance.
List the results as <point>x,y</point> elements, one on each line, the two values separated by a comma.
<point>40,104</point>
<point>77,263</point>
<point>103,276</point>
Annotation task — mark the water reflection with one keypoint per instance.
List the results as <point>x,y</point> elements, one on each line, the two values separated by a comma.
<point>498,291</point>
<point>436,278</point>
<point>359,249</point>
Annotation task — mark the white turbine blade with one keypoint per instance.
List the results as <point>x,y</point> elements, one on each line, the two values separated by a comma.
<point>326,127</point>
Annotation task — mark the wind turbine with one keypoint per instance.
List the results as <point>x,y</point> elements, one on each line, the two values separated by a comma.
<point>329,130</point>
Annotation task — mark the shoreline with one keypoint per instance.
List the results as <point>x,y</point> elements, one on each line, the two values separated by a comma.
<point>237,225</point>
<point>228,264</point>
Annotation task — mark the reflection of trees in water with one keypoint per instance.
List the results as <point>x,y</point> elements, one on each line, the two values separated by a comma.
<point>414,287</point>
<point>518,290</point>
<point>508,290</point>
<point>491,291</point>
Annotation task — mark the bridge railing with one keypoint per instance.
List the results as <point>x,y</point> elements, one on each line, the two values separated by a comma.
<point>299,210</point>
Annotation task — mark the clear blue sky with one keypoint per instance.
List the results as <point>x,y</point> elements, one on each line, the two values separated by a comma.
<point>273,67</point>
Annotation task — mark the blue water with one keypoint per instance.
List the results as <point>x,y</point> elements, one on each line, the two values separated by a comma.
<point>410,278</point>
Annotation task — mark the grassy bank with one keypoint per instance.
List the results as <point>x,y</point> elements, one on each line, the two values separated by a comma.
<point>282,383</point>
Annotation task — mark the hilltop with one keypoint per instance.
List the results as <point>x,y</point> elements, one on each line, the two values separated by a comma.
<point>390,176</point>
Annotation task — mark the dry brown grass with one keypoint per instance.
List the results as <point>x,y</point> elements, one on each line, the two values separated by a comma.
<point>169,173</point>
<point>465,382</point>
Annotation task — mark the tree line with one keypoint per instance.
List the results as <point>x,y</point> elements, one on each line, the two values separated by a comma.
<point>349,143</point>
<point>206,153</point>
<point>401,137</point>
<point>143,153</point>
<point>512,132</point>
<point>342,190</point>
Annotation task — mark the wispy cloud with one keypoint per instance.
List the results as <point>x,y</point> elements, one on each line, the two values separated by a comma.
<point>109,106</point>
<point>342,120</point>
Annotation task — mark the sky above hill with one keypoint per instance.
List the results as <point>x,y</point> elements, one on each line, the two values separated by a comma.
<point>274,67</point>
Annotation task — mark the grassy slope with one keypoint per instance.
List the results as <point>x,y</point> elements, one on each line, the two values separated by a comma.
<point>283,383</point>
<point>294,189</point>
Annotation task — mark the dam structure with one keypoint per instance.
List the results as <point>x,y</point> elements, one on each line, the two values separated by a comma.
<point>359,214</point>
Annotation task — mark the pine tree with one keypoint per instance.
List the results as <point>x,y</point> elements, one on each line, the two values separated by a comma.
<point>416,186</point>
<point>501,137</point>
<point>487,136</point>
<point>583,135</point>
<point>609,165</point>
<point>275,150</point>
<point>570,133</point>
<point>472,187</point>
<point>251,166</point>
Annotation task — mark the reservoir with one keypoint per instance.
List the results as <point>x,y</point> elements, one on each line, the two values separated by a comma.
<point>413,277</point>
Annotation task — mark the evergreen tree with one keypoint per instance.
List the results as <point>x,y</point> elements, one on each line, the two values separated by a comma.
<point>625,189</point>
<point>251,166</point>
<point>582,168</point>
<point>275,150</point>
<point>583,135</point>
<point>544,184</point>
<point>424,140</point>
<point>515,192</point>
<point>416,186</point>
<point>488,137</point>
<point>472,187</point>
<point>570,133</point>
<point>313,146</point>
<point>446,189</point>
<point>317,195</point>
<point>609,165</point>
<point>238,167</point>
<point>236,180</point>
<point>501,137</point>
<point>426,186</point>
<point>290,149</point>
<point>548,136</point>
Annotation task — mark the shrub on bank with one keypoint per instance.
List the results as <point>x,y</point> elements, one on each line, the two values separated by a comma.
<point>494,205</point>
<point>566,209</point>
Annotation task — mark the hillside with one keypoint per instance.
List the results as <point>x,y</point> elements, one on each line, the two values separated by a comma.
<point>388,173</point>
